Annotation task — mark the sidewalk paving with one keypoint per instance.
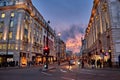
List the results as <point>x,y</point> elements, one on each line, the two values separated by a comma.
<point>51,66</point>
<point>113,69</point>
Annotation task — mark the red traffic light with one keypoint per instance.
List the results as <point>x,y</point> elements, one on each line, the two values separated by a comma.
<point>46,48</point>
<point>46,51</point>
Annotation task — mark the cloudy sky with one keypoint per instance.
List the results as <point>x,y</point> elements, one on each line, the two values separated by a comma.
<point>70,17</point>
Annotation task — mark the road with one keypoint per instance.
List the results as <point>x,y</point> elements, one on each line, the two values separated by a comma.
<point>60,73</point>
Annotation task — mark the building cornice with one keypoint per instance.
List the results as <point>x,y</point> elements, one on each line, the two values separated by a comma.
<point>93,12</point>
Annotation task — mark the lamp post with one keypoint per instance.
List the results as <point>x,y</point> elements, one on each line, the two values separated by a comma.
<point>46,49</point>
<point>110,61</point>
<point>59,34</point>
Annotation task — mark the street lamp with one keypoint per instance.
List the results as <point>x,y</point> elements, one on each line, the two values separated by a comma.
<point>46,49</point>
<point>59,34</point>
<point>110,61</point>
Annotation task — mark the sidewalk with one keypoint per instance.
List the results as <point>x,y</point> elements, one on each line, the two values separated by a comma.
<point>51,66</point>
<point>109,69</point>
<point>17,67</point>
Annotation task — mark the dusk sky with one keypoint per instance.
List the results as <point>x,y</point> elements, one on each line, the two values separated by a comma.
<point>70,17</point>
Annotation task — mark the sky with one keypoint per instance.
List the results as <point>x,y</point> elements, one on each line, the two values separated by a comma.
<point>70,17</point>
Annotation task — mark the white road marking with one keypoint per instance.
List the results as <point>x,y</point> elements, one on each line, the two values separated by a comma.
<point>62,70</point>
<point>67,78</point>
<point>46,73</point>
<point>92,73</point>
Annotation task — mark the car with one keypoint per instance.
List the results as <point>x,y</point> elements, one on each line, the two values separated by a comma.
<point>72,62</point>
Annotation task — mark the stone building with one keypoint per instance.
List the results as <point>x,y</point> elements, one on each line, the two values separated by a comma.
<point>23,33</point>
<point>60,48</point>
<point>102,34</point>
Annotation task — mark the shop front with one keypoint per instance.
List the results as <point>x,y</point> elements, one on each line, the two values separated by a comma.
<point>5,60</point>
<point>23,59</point>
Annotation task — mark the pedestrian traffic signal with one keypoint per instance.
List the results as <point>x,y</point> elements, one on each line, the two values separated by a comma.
<point>46,51</point>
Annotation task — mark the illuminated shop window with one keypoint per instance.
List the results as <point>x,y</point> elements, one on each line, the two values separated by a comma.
<point>3,15</point>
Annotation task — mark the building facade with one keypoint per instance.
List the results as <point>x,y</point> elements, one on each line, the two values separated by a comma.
<point>102,34</point>
<point>60,49</point>
<point>23,33</point>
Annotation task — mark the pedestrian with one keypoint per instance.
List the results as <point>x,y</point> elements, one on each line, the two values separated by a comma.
<point>79,63</point>
<point>119,60</point>
<point>98,63</point>
<point>93,63</point>
<point>69,64</point>
<point>16,64</point>
<point>82,64</point>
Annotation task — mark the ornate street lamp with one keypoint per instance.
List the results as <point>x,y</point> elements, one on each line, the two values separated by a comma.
<point>59,34</point>
<point>46,49</point>
<point>110,61</point>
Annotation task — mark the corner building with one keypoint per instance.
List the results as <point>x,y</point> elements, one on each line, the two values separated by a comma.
<point>102,37</point>
<point>22,36</point>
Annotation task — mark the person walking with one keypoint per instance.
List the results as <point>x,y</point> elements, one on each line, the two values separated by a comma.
<point>69,64</point>
<point>82,64</point>
<point>119,60</point>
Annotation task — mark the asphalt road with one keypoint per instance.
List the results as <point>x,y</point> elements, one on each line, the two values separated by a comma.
<point>59,73</point>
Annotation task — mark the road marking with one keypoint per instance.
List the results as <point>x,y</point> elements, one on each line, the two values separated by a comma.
<point>92,73</point>
<point>62,70</point>
<point>67,78</point>
<point>46,73</point>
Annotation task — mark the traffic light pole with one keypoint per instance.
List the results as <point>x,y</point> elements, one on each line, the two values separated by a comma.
<point>47,52</point>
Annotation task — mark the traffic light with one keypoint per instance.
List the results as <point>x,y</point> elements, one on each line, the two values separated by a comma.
<point>46,51</point>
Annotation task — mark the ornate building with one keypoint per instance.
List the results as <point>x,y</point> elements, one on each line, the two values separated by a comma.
<point>23,33</point>
<point>102,39</point>
<point>60,49</point>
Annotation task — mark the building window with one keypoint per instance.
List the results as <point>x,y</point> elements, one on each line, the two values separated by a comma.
<point>34,31</point>
<point>4,3</point>
<point>8,46</point>
<point>12,14</point>
<point>37,33</point>
<point>12,46</point>
<point>1,24</point>
<point>3,15</point>
<point>1,35</point>
<point>4,46</point>
<point>11,23</point>
<point>10,35</point>
<point>45,31</point>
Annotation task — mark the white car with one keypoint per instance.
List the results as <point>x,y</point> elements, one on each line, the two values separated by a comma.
<point>72,62</point>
